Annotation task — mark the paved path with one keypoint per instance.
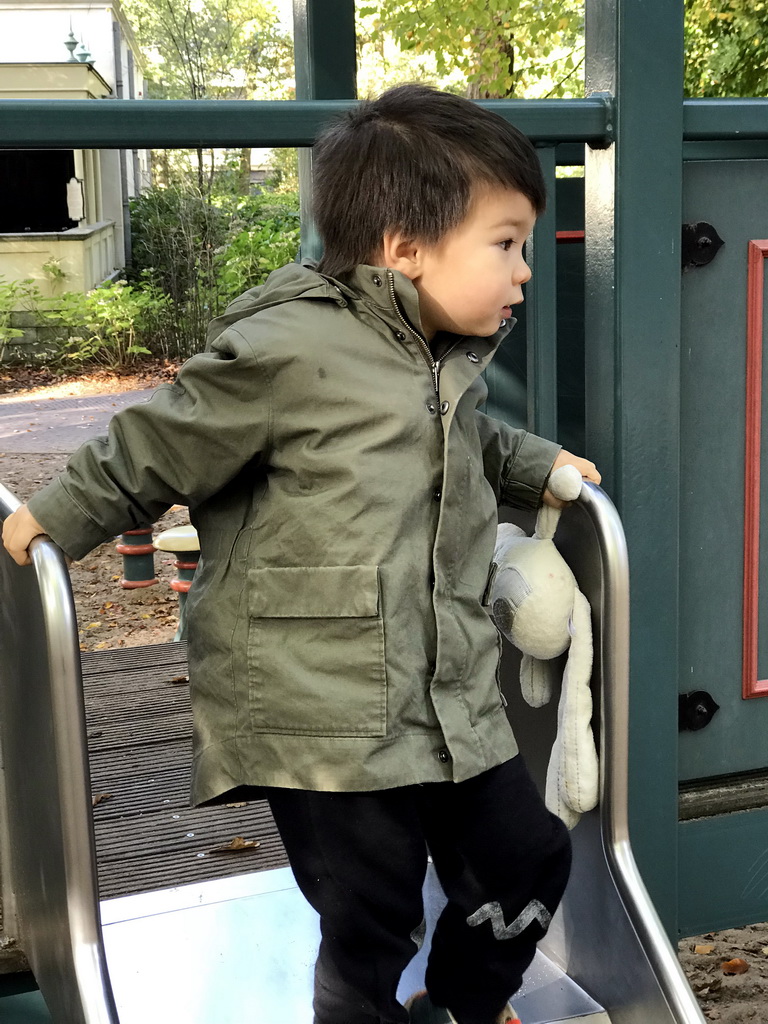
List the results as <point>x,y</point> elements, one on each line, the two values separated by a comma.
<point>46,425</point>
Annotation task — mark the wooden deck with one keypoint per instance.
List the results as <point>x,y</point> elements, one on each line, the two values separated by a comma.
<point>139,739</point>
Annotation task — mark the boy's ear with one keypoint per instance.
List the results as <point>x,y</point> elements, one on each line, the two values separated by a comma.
<point>402,253</point>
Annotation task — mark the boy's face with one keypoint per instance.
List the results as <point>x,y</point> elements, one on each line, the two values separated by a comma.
<point>469,281</point>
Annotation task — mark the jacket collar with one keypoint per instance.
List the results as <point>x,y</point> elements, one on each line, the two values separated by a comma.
<point>389,291</point>
<point>377,285</point>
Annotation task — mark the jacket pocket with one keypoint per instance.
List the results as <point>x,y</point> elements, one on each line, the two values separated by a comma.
<point>316,651</point>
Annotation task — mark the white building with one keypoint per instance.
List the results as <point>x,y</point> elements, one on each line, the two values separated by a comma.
<point>67,208</point>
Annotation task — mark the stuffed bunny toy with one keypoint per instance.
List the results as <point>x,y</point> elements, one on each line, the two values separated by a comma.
<point>536,603</point>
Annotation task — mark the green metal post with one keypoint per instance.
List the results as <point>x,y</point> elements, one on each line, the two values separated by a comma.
<point>542,323</point>
<point>633,228</point>
<point>326,69</point>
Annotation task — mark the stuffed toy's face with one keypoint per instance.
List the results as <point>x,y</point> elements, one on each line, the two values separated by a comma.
<point>532,594</point>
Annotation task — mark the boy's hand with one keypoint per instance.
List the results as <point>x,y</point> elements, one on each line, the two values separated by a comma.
<point>19,530</point>
<point>586,468</point>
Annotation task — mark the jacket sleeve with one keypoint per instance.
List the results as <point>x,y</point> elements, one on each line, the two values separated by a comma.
<point>517,464</point>
<point>181,446</point>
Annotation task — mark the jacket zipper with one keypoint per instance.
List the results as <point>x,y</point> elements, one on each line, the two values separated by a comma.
<point>434,366</point>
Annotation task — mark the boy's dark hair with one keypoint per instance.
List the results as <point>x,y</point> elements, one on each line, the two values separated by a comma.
<point>408,162</point>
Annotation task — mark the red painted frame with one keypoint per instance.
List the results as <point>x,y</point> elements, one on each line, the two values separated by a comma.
<point>757,254</point>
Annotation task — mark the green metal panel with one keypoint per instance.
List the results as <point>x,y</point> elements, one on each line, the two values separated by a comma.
<point>185,124</point>
<point>570,316</point>
<point>733,198</point>
<point>727,150</point>
<point>570,154</point>
<point>633,211</point>
<point>24,1009</point>
<point>507,376</point>
<point>723,871</point>
<point>21,1001</point>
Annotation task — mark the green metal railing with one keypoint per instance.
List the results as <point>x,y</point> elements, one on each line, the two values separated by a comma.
<point>187,124</point>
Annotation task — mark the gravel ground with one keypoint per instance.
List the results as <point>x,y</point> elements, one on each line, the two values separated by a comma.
<point>109,616</point>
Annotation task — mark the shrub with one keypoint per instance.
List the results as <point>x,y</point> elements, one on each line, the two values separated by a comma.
<point>191,256</point>
<point>16,296</point>
<point>202,251</point>
<point>252,255</point>
<point>109,325</point>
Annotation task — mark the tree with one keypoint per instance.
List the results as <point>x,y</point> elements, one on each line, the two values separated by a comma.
<point>726,47</point>
<point>213,49</point>
<point>382,63</point>
<point>518,47</point>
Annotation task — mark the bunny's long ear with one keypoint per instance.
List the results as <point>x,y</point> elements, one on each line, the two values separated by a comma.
<point>535,681</point>
<point>553,795</point>
<point>565,483</point>
<point>573,774</point>
<point>547,519</point>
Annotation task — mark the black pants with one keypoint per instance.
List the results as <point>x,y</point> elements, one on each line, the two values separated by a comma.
<point>360,859</point>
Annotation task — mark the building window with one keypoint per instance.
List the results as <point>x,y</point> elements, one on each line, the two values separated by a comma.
<point>33,190</point>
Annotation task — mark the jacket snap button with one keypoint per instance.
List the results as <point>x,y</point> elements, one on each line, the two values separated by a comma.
<point>399,335</point>
<point>431,408</point>
<point>377,280</point>
<point>437,494</point>
<point>443,756</point>
<point>473,357</point>
<point>444,407</point>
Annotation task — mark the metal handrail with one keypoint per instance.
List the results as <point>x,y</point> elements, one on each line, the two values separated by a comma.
<point>48,814</point>
<point>614,762</point>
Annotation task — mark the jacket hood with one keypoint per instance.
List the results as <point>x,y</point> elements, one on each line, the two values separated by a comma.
<point>293,281</point>
<point>302,281</point>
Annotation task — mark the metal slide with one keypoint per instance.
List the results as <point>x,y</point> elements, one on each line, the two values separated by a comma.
<point>242,948</point>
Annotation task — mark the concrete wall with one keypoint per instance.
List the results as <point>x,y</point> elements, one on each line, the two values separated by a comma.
<point>87,256</point>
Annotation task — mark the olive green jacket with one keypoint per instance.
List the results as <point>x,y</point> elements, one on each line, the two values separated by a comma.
<point>347,513</point>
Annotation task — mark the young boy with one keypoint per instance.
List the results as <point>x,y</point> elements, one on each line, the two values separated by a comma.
<point>345,489</point>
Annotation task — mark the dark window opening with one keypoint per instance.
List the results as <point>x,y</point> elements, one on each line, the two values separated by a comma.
<point>33,190</point>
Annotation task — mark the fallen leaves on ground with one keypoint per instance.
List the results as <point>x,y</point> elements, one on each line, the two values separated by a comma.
<point>730,981</point>
<point>42,382</point>
<point>735,966</point>
<point>237,845</point>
